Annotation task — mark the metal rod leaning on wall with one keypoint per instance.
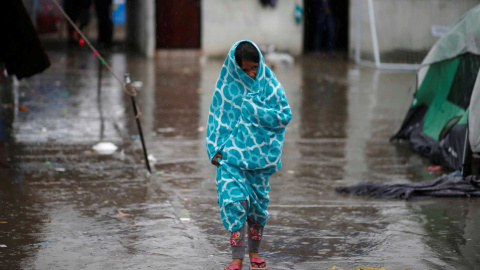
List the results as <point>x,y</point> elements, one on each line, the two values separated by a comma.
<point>128,84</point>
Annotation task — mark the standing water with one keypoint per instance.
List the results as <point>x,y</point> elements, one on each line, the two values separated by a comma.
<point>65,206</point>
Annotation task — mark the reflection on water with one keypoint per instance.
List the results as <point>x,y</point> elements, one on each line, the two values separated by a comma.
<point>343,116</point>
<point>451,230</point>
<point>177,96</point>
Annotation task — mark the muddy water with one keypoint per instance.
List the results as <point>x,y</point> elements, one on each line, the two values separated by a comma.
<point>89,211</point>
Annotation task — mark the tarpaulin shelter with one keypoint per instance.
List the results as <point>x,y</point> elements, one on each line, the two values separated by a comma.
<point>443,122</point>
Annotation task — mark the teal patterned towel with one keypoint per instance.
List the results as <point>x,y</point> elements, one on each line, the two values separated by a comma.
<point>246,124</point>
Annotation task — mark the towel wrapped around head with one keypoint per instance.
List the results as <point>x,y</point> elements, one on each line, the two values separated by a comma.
<point>246,124</point>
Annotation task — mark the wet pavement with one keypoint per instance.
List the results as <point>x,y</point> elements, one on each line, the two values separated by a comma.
<point>64,206</point>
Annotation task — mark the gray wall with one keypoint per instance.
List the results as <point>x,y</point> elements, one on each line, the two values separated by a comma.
<point>141,26</point>
<point>226,21</point>
<point>405,24</point>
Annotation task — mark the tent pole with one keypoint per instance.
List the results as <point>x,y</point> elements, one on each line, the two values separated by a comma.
<point>358,28</point>
<point>464,152</point>
<point>373,30</point>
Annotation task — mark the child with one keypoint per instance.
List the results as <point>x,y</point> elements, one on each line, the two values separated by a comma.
<point>245,133</point>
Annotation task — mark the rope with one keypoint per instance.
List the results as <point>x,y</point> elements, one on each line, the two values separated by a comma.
<point>129,89</point>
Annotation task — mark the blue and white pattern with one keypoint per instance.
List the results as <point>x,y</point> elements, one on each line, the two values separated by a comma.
<point>246,124</point>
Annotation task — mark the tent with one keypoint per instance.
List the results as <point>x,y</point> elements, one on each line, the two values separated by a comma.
<point>443,122</point>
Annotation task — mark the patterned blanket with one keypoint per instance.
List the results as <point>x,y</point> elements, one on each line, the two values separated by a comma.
<point>246,124</point>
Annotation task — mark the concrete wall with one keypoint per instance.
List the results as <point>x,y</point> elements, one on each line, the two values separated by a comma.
<point>141,26</point>
<point>404,25</point>
<point>226,21</point>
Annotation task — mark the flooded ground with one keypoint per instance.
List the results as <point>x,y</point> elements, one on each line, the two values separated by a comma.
<point>64,206</point>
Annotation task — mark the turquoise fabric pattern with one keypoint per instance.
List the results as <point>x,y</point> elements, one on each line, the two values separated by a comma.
<point>246,124</point>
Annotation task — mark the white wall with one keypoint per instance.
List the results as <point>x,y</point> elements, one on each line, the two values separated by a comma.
<point>226,21</point>
<point>405,24</point>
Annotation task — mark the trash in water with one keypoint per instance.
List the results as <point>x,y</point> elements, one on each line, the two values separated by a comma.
<point>184,219</point>
<point>185,191</point>
<point>151,158</point>
<point>122,214</point>
<point>3,246</point>
<point>48,221</point>
<point>200,129</point>
<point>159,172</point>
<point>60,169</point>
<point>44,129</point>
<point>291,171</point>
<point>105,148</point>
<point>456,173</point>
<point>135,137</point>
<point>165,130</point>
<point>65,94</point>
<point>43,243</point>
<point>23,108</point>
<point>187,199</point>
<point>434,168</point>
<point>275,57</point>
<point>22,94</point>
<point>64,112</point>
<point>48,162</point>
<point>137,84</point>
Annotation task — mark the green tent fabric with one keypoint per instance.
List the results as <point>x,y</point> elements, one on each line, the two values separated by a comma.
<point>447,101</point>
<point>446,90</point>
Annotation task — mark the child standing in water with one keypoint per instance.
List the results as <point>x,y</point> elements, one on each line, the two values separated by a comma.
<point>245,134</point>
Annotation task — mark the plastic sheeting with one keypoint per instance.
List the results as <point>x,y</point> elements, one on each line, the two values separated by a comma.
<point>462,37</point>
<point>474,118</point>
<point>445,186</point>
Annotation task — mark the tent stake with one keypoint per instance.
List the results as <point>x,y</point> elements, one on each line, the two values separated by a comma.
<point>139,126</point>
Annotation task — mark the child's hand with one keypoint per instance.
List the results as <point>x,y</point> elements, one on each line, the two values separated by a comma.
<point>215,159</point>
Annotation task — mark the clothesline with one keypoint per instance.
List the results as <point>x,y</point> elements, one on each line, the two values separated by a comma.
<point>128,88</point>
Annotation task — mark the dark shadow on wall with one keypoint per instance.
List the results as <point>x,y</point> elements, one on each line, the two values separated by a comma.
<point>340,10</point>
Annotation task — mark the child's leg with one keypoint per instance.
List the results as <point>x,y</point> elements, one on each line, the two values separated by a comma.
<point>237,239</point>
<point>255,232</point>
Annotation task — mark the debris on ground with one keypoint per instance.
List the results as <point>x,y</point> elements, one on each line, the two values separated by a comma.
<point>43,243</point>
<point>151,158</point>
<point>122,214</point>
<point>105,148</point>
<point>444,186</point>
<point>434,168</point>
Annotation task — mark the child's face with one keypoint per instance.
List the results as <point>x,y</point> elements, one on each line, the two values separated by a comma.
<point>250,68</point>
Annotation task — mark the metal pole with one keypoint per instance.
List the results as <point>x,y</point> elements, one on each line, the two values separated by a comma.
<point>99,100</point>
<point>358,30</point>
<point>139,126</point>
<point>464,159</point>
<point>373,30</point>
